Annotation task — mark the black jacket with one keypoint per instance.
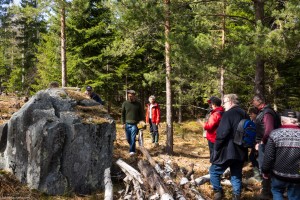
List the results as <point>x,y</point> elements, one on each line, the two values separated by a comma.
<point>224,148</point>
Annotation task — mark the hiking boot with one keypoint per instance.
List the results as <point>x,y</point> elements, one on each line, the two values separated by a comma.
<point>236,197</point>
<point>218,195</point>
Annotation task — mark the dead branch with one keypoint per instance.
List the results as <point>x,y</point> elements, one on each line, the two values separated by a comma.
<point>154,180</point>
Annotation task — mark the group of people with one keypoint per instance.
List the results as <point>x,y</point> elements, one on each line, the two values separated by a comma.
<point>276,153</point>
<point>133,113</point>
<point>275,157</point>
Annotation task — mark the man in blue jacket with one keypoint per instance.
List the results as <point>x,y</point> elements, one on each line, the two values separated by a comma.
<point>226,153</point>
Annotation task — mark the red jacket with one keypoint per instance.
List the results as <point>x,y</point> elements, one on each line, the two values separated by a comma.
<point>212,123</point>
<point>155,113</point>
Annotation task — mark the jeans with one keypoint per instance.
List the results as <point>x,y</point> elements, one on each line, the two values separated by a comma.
<point>279,186</point>
<point>153,131</point>
<point>261,153</point>
<point>216,172</point>
<point>131,132</point>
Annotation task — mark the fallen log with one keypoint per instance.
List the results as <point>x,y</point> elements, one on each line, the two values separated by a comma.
<point>134,177</point>
<point>128,170</point>
<point>206,178</point>
<point>108,185</point>
<point>154,180</point>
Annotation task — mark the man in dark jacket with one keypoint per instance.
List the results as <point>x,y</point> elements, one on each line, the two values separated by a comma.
<point>282,158</point>
<point>226,152</point>
<point>132,113</point>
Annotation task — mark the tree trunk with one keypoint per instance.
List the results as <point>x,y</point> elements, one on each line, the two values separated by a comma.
<point>63,46</point>
<point>260,64</point>
<point>169,142</point>
<point>222,70</point>
<point>259,76</point>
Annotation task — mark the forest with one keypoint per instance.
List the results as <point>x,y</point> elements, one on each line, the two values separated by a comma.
<point>181,51</point>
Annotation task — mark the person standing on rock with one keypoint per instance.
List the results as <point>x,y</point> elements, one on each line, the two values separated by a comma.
<point>92,95</point>
<point>132,113</point>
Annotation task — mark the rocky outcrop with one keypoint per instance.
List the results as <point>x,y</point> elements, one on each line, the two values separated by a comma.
<point>47,145</point>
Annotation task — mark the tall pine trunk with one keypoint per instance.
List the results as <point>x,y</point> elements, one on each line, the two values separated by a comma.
<point>260,64</point>
<point>222,70</point>
<point>169,142</point>
<point>63,46</point>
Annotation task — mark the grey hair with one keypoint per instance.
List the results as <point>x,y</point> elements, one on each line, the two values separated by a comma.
<point>232,98</point>
<point>259,98</point>
<point>131,92</point>
<point>152,97</point>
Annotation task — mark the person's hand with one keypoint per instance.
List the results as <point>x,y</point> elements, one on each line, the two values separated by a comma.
<point>265,176</point>
<point>256,146</point>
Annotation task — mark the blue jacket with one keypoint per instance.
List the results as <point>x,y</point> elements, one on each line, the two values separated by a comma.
<point>224,148</point>
<point>97,98</point>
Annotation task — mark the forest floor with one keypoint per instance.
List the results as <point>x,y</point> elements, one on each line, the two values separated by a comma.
<point>189,148</point>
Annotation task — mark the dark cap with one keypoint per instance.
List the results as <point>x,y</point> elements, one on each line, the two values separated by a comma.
<point>209,100</point>
<point>289,113</point>
<point>89,88</point>
<point>214,100</point>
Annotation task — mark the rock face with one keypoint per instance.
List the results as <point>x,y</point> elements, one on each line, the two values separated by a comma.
<point>47,146</point>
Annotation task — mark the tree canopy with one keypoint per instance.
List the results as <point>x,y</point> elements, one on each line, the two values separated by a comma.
<point>116,45</point>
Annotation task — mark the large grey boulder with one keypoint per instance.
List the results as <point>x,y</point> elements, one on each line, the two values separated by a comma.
<point>47,146</point>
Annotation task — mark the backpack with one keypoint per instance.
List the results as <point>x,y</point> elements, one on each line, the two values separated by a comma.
<point>245,133</point>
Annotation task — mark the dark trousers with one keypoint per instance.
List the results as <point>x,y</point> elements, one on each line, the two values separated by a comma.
<point>253,157</point>
<point>153,131</point>
<point>211,150</point>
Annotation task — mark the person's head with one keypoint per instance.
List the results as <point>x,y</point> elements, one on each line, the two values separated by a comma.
<point>214,102</point>
<point>152,99</point>
<point>258,100</point>
<point>89,90</point>
<point>54,84</point>
<point>289,117</point>
<point>131,95</point>
<point>253,111</point>
<point>230,100</point>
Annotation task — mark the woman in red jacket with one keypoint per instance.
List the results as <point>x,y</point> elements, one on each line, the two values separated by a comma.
<point>153,118</point>
<point>213,122</point>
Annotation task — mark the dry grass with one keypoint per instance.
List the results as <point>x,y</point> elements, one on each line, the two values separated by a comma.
<point>189,147</point>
